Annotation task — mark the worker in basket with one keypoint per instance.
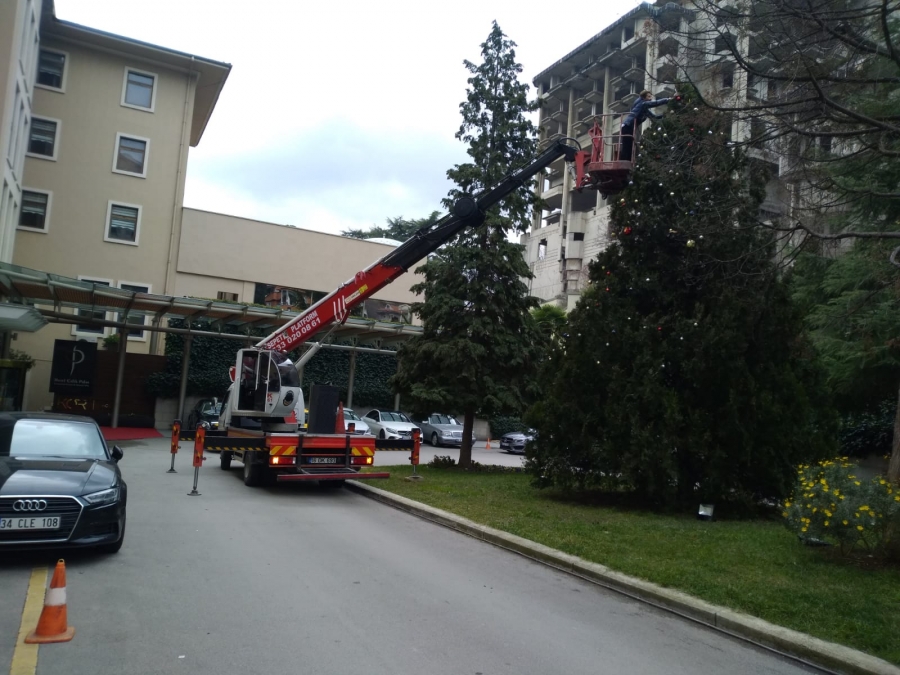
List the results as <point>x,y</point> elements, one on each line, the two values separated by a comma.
<point>640,111</point>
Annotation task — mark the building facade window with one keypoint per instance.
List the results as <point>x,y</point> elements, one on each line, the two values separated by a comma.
<point>43,141</point>
<point>52,70</point>
<point>131,155</point>
<point>35,213</point>
<point>123,223</point>
<point>226,296</point>
<point>138,320</point>
<point>139,90</point>
<point>95,315</point>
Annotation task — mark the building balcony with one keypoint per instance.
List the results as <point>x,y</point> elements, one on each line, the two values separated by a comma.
<point>594,96</point>
<point>560,116</point>
<point>615,59</point>
<point>636,46</point>
<point>636,74</point>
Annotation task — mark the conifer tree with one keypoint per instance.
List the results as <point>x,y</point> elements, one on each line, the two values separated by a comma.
<point>480,344</point>
<point>684,375</point>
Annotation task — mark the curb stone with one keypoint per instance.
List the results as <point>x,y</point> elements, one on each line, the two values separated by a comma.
<point>811,650</point>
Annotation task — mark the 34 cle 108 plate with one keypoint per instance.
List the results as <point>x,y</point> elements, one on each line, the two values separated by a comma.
<point>30,523</point>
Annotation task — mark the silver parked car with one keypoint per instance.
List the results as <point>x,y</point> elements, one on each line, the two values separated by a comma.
<point>441,430</point>
<point>515,441</point>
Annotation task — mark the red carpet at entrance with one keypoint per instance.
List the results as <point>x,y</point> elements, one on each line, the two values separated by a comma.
<point>128,433</point>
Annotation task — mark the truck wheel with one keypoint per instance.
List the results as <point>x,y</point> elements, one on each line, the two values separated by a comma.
<point>253,472</point>
<point>225,460</point>
<point>434,440</point>
<point>331,484</point>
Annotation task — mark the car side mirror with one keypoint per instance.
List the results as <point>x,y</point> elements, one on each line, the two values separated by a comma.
<point>117,453</point>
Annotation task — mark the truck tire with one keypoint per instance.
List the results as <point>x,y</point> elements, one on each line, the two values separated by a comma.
<point>253,471</point>
<point>331,484</point>
<point>225,460</point>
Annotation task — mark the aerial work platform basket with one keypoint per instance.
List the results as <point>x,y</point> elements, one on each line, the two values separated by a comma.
<point>607,167</point>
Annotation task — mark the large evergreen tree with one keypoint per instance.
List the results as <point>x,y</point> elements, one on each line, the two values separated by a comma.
<point>398,228</point>
<point>684,376</point>
<point>480,343</point>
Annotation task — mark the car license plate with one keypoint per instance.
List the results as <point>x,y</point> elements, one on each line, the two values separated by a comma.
<point>30,523</point>
<point>323,460</point>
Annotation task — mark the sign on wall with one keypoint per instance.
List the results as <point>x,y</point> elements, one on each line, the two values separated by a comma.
<point>74,366</point>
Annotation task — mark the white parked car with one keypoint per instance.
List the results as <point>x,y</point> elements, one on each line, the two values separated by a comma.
<point>390,424</point>
<point>360,428</point>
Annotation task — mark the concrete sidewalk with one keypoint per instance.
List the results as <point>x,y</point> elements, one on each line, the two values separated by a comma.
<point>824,655</point>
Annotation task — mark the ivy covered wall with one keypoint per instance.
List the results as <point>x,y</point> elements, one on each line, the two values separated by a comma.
<point>211,357</point>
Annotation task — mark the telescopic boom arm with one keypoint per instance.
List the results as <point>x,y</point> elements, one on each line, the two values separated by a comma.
<point>466,212</point>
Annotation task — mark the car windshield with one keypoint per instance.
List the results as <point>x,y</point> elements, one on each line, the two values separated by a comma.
<point>445,419</point>
<point>53,438</point>
<point>211,408</point>
<point>394,417</point>
<point>350,415</point>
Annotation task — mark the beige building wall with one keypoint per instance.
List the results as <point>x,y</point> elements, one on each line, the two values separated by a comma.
<point>19,42</point>
<point>230,254</point>
<point>84,181</point>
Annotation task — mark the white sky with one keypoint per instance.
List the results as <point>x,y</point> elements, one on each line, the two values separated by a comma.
<point>339,114</point>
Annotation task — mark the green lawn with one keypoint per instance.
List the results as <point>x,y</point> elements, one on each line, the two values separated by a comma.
<point>757,567</point>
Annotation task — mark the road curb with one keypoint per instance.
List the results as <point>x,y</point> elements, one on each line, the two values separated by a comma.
<point>811,650</point>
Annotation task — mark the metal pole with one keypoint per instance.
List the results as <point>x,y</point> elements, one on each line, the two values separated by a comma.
<point>185,363</point>
<point>352,378</point>
<point>120,375</point>
<point>397,402</point>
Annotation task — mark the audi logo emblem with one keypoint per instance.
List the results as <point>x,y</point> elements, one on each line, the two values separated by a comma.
<point>29,505</point>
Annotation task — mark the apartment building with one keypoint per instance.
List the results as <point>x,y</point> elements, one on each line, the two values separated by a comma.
<point>599,81</point>
<point>97,129</point>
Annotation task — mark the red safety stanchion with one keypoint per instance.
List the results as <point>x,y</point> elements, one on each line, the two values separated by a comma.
<point>176,437</point>
<point>199,440</point>
<point>414,457</point>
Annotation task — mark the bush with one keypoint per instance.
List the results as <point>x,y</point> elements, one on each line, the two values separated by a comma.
<point>831,504</point>
<point>504,424</point>
<point>868,433</point>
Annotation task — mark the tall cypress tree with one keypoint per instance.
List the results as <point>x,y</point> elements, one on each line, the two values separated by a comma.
<point>684,375</point>
<point>480,343</point>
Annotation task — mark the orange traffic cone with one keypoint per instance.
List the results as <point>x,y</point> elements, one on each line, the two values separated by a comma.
<point>487,446</point>
<point>339,420</point>
<point>53,624</point>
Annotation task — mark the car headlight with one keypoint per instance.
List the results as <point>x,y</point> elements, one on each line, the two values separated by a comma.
<point>391,431</point>
<point>103,497</point>
<point>446,433</point>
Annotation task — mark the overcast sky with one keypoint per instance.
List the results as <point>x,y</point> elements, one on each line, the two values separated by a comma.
<point>338,114</point>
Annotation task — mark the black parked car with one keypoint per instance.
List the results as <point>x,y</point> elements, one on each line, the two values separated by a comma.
<point>207,410</point>
<point>60,485</point>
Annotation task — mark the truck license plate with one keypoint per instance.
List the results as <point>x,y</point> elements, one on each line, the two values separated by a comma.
<point>323,460</point>
<point>30,523</point>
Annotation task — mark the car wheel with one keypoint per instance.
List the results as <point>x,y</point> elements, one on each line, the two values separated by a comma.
<point>381,435</point>
<point>225,460</point>
<point>434,440</point>
<point>114,548</point>
<point>253,473</point>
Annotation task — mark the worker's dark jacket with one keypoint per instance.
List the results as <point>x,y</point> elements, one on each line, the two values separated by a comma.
<point>641,111</point>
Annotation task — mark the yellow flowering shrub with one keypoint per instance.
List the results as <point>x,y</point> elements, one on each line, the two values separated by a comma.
<point>830,503</point>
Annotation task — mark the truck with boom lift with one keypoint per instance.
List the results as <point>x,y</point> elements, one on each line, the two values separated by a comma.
<point>259,423</point>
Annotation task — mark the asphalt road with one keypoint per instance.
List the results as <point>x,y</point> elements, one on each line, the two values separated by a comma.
<point>298,579</point>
